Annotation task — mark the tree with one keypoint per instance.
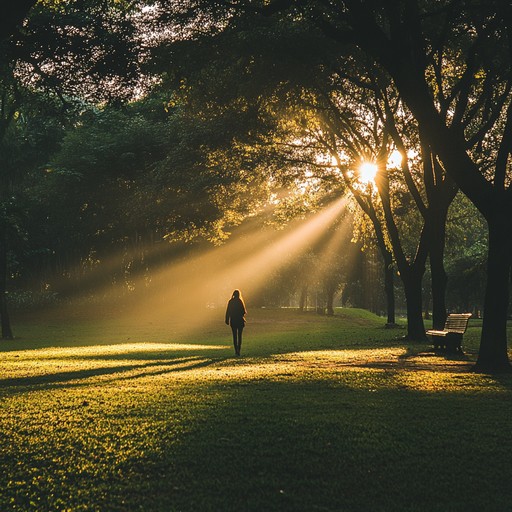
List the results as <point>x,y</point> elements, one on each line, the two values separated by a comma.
<point>149,172</point>
<point>450,62</point>
<point>67,50</point>
<point>356,124</point>
<point>13,15</point>
<point>325,74</point>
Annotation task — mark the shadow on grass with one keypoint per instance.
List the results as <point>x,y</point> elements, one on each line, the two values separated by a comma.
<point>306,446</point>
<point>74,378</point>
<point>417,352</point>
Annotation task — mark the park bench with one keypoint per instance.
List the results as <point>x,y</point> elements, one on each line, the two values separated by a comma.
<point>450,338</point>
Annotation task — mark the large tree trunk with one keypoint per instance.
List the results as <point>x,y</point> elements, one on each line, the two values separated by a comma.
<point>493,355</point>
<point>303,298</point>
<point>412,281</point>
<point>438,273</point>
<point>411,272</point>
<point>330,300</point>
<point>389,288</point>
<point>6,322</point>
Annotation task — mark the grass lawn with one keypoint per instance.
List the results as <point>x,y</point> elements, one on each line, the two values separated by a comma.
<point>319,414</point>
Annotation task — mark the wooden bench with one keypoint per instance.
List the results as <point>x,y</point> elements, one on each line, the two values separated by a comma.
<point>450,338</point>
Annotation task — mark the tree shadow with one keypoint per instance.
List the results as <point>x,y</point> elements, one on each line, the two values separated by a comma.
<point>309,445</point>
<point>76,378</point>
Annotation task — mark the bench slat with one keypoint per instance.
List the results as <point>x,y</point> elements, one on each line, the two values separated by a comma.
<point>457,322</point>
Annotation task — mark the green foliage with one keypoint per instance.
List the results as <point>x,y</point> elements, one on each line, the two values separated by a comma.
<point>466,260</point>
<point>26,300</point>
<point>77,50</point>
<point>155,169</point>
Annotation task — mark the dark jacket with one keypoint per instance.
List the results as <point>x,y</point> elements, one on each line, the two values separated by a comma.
<point>235,313</point>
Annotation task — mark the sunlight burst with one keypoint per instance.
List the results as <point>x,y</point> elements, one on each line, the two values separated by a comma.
<point>367,173</point>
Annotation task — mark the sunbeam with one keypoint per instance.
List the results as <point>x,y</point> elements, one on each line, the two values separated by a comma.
<point>191,293</point>
<point>183,291</point>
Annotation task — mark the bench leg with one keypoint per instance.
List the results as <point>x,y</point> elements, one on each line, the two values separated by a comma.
<point>451,343</point>
<point>454,343</point>
<point>438,342</point>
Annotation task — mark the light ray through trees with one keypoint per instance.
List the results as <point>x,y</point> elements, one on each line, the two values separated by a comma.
<point>184,291</point>
<point>332,255</point>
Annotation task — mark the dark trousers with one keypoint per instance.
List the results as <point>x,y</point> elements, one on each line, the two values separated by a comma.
<point>237,337</point>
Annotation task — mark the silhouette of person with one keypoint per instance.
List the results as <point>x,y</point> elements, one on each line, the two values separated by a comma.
<point>235,317</point>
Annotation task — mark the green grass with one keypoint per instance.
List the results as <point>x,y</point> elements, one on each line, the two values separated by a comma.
<point>320,414</point>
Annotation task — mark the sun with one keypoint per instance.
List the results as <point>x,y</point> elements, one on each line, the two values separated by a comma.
<point>367,173</point>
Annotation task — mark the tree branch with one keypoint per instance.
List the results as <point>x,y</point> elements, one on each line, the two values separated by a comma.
<point>504,151</point>
<point>390,124</point>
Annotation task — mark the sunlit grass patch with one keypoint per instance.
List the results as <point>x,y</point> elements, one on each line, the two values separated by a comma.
<point>389,367</point>
<point>66,364</point>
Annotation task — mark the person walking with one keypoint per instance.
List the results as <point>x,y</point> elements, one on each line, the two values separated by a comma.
<point>235,317</point>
